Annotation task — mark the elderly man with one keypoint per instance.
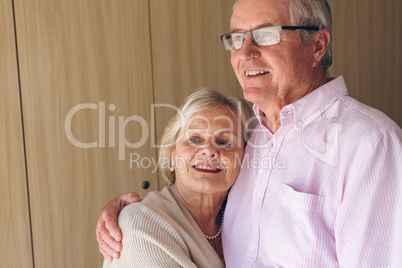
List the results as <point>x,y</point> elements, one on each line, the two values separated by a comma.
<point>320,184</point>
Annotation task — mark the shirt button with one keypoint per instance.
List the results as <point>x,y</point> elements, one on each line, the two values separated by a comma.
<point>252,247</point>
<point>260,195</point>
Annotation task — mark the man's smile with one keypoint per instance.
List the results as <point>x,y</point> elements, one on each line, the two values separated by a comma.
<point>254,73</point>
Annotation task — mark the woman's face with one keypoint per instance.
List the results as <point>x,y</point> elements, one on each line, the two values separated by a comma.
<point>208,151</point>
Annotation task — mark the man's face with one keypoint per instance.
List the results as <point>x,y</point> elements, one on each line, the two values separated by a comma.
<point>288,65</point>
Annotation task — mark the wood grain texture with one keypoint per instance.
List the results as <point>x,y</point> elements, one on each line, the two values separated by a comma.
<point>367,45</point>
<point>15,248</point>
<point>71,53</point>
<point>187,51</point>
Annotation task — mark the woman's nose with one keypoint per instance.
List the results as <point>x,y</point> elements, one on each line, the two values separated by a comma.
<point>209,150</point>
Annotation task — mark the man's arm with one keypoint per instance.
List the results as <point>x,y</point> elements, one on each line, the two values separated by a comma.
<point>368,229</point>
<point>150,240</point>
<point>108,232</point>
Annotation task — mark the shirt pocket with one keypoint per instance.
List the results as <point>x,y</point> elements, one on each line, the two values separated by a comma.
<point>299,200</point>
<point>295,229</point>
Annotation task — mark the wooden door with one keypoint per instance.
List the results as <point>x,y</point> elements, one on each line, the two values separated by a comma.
<point>15,248</point>
<point>86,84</point>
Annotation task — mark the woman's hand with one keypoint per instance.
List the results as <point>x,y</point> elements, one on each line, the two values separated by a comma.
<point>108,232</point>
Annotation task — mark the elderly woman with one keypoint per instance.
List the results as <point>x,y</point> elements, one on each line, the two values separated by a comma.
<point>181,225</point>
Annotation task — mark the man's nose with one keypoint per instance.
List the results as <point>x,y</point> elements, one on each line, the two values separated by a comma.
<point>249,49</point>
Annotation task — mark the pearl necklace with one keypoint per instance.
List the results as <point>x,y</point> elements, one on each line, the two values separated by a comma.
<point>219,232</point>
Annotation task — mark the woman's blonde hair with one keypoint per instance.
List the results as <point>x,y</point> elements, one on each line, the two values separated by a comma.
<point>199,101</point>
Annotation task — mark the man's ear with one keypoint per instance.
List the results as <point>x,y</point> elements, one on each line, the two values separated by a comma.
<point>321,42</point>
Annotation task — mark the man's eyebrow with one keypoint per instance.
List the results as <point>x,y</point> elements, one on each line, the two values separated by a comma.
<point>267,24</point>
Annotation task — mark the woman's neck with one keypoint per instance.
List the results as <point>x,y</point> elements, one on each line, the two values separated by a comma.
<point>203,207</point>
<point>207,212</point>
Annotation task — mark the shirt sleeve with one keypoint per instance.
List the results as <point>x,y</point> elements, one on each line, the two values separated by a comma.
<point>150,240</point>
<point>368,228</point>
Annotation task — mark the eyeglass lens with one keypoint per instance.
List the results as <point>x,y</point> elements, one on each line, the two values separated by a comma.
<point>262,37</point>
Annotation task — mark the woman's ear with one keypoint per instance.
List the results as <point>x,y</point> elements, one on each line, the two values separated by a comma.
<point>172,162</point>
<point>321,43</point>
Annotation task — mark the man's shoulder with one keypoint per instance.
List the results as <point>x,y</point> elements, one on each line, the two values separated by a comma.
<point>358,115</point>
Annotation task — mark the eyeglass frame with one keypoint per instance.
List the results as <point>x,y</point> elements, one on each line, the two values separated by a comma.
<point>292,28</point>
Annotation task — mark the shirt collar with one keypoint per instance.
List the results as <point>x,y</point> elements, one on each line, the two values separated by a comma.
<point>310,106</point>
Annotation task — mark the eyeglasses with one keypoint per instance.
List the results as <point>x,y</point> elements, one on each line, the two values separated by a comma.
<point>265,36</point>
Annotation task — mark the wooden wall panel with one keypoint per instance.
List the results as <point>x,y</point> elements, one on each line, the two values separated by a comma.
<point>77,53</point>
<point>187,51</point>
<point>15,247</point>
<point>367,41</point>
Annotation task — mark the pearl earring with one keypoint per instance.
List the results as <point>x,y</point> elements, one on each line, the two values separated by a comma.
<point>171,169</point>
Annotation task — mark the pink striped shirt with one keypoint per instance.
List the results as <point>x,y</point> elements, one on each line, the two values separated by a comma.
<point>324,191</point>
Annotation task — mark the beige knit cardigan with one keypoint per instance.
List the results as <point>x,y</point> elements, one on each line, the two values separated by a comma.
<point>160,232</point>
